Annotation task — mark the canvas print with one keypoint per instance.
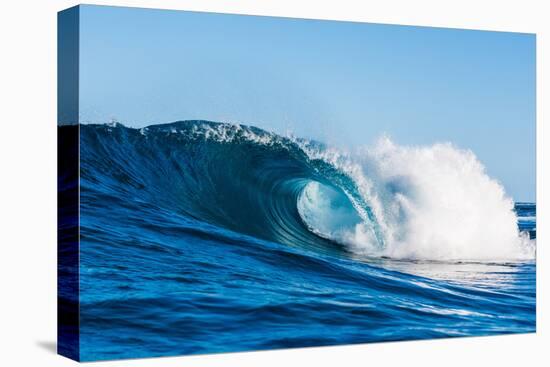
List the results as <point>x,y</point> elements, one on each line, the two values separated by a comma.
<point>234,183</point>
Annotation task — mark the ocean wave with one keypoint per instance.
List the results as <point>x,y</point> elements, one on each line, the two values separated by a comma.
<point>431,202</point>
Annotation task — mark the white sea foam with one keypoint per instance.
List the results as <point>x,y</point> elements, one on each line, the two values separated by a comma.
<point>429,202</point>
<point>227,133</point>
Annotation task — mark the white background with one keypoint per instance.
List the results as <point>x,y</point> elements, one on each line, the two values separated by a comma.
<point>28,183</point>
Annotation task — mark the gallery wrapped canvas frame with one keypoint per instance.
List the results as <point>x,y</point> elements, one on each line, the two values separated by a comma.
<point>68,185</point>
<point>233,183</point>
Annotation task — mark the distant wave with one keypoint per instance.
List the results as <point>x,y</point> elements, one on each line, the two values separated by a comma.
<point>429,202</point>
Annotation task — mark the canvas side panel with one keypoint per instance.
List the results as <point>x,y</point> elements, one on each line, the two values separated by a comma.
<point>68,184</point>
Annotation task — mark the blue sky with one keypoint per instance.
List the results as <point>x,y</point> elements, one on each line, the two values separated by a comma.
<point>343,83</point>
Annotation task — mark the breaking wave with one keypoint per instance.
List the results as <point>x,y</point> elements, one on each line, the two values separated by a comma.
<point>426,202</point>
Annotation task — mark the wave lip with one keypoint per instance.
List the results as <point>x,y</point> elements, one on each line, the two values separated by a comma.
<point>433,202</point>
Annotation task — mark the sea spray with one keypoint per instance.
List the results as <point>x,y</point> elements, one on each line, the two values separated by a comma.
<point>441,204</point>
<point>431,202</point>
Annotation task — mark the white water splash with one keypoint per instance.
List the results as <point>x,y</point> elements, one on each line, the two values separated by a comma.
<point>430,202</point>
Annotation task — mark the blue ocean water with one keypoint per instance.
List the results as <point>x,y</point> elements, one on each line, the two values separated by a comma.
<point>198,237</point>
